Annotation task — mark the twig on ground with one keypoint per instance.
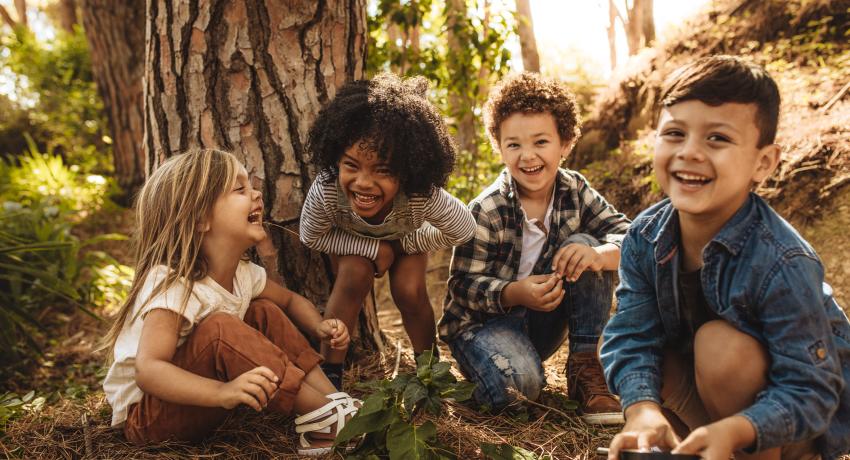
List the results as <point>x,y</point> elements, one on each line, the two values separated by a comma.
<point>836,98</point>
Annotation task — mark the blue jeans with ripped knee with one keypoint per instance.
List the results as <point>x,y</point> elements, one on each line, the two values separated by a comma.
<point>507,352</point>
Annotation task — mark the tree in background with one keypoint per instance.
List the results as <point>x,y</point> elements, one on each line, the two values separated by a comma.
<point>638,22</point>
<point>116,35</point>
<point>249,77</point>
<point>527,42</point>
<point>459,45</point>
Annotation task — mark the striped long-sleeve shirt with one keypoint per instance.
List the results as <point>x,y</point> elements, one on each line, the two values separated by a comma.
<point>437,220</point>
<point>482,267</point>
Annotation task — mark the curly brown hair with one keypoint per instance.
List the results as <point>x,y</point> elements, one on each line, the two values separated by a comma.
<point>530,93</point>
<point>393,118</point>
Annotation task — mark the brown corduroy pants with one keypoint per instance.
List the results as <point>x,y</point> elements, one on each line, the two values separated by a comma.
<point>222,347</point>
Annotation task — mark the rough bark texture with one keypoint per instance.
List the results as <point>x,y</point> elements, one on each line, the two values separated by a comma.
<point>68,15</point>
<point>249,77</point>
<point>527,42</point>
<point>115,30</point>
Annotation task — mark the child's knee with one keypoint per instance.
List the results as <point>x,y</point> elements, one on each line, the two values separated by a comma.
<point>354,275</point>
<point>409,295</point>
<point>719,350</point>
<point>218,325</point>
<point>508,378</point>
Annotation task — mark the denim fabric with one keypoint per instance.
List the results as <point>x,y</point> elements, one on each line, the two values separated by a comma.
<point>762,277</point>
<point>508,350</point>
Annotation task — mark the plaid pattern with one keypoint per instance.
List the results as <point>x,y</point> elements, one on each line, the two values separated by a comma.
<point>483,266</point>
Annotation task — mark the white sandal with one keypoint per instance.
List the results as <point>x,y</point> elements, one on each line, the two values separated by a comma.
<point>320,420</point>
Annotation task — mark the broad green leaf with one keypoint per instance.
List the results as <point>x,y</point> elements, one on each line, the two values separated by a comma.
<point>507,452</point>
<point>362,424</point>
<point>413,393</point>
<point>460,391</point>
<point>404,441</point>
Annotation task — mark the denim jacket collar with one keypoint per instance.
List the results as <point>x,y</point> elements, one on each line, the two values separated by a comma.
<point>662,230</point>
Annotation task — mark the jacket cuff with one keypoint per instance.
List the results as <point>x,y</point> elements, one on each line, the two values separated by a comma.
<point>637,387</point>
<point>772,422</point>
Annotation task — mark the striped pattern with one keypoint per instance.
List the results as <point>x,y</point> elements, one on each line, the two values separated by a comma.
<point>441,220</point>
<point>483,266</point>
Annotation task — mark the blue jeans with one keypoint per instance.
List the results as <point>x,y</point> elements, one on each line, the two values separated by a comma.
<point>508,351</point>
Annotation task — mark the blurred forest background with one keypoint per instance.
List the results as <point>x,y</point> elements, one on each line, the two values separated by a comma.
<point>90,101</point>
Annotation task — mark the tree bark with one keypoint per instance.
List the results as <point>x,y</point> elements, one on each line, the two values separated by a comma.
<point>116,34</point>
<point>68,15</point>
<point>612,33</point>
<point>249,77</point>
<point>460,103</point>
<point>647,22</point>
<point>21,9</point>
<point>527,42</point>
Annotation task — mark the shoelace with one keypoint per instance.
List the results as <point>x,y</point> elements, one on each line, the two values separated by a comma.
<point>589,376</point>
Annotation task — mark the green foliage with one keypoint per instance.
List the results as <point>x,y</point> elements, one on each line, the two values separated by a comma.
<point>463,53</point>
<point>55,87</point>
<point>42,263</point>
<point>388,416</point>
<point>508,452</point>
<point>12,406</point>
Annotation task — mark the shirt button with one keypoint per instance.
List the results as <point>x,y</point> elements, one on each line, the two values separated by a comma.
<point>821,352</point>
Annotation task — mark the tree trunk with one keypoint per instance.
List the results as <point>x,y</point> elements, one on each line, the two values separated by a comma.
<point>612,33</point>
<point>460,104</point>
<point>249,77</point>
<point>68,15</point>
<point>647,21</point>
<point>527,42</point>
<point>21,9</point>
<point>116,35</point>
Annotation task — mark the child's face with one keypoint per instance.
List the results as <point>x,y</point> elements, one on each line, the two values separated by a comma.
<point>532,150</point>
<point>367,181</point>
<point>237,215</point>
<point>707,158</point>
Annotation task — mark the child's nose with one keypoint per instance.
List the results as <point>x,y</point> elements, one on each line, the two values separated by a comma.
<point>691,150</point>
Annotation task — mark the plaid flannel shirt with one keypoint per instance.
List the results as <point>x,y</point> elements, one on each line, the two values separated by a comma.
<point>483,266</point>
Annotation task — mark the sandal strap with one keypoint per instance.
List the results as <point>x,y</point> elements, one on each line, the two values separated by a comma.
<point>321,419</point>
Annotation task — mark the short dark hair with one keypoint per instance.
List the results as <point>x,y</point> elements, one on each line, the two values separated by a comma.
<point>393,118</point>
<point>716,80</point>
<point>530,93</point>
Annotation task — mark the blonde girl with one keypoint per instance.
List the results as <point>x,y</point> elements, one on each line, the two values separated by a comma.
<point>203,330</point>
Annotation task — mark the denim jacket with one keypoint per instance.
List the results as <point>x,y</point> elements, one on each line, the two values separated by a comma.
<point>763,278</point>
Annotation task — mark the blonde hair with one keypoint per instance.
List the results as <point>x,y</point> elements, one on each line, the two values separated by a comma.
<point>172,205</point>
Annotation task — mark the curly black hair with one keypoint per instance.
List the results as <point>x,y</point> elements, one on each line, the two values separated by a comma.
<point>394,118</point>
<point>530,93</point>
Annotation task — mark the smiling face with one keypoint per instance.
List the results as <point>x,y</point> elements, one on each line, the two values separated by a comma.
<point>707,157</point>
<point>368,182</point>
<point>237,215</point>
<point>532,151</point>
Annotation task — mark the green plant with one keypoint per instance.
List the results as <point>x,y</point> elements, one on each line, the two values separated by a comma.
<point>12,406</point>
<point>389,415</point>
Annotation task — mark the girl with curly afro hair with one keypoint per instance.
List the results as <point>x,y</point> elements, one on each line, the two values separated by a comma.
<point>378,205</point>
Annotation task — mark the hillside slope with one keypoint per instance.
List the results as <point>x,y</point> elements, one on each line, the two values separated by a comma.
<point>805,45</point>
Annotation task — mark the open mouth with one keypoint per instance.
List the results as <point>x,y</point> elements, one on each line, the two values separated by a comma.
<point>255,217</point>
<point>364,199</point>
<point>532,169</point>
<point>691,179</point>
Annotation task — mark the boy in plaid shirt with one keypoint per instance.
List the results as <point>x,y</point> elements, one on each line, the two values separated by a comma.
<point>540,266</point>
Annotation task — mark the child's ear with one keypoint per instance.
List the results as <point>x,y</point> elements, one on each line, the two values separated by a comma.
<point>768,160</point>
<point>203,226</point>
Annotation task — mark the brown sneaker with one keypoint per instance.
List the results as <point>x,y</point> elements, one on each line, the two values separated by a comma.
<point>586,384</point>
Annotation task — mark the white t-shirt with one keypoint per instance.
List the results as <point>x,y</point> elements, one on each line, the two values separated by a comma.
<point>533,240</point>
<point>207,297</point>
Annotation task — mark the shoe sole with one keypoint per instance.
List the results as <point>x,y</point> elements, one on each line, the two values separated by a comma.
<point>604,418</point>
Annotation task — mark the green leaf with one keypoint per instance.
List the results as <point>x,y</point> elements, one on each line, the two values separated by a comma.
<point>507,452</point>
<point>413,393</point>
<point>363,424</point>
<point>460,391</point>
<point>404,441</point>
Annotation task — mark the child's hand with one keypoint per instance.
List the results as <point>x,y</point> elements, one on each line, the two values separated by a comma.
<point>334,332</point>
<point>254,388</point>
<point>537,292</point>
<point>385,258</point>
<point>645,427</point>
<point>719,439</point>
<point>573,259</point>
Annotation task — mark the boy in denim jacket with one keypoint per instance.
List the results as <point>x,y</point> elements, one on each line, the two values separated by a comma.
<point>541,262</point>
<point>724,328</point>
